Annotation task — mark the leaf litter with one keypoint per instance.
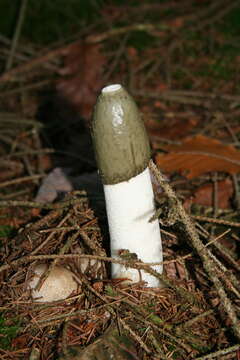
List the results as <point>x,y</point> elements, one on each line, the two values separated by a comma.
<point>174,79</point>
<point>198,155</point>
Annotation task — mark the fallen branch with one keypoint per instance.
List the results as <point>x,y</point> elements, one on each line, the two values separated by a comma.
<point>202,251</point>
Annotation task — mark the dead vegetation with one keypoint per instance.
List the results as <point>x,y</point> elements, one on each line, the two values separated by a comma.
<point>173,59</point>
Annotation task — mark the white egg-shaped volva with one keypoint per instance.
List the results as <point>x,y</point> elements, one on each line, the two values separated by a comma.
<point>58,285</point>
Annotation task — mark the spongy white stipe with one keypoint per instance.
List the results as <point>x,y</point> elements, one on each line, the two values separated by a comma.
<point>130,205</point>
<point>111,88</point>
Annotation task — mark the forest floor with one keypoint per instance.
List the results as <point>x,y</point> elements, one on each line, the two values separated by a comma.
<point>180,60</point>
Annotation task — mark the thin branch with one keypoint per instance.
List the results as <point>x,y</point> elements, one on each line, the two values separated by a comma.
<point>215,221</point>
<point>202,251</point>
<point>17,34</point>
<point>219,353</point>
<point>20,180</point>
<point>38,205</point>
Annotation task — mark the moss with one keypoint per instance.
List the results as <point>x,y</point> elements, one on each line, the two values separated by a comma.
<point>6,231</point>
<point>8,332</point>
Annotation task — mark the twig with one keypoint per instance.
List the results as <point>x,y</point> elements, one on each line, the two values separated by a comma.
<point>187,97</point>
<point>212,241</point>
<point>92,39</point>
<point>49,237</point>
<point>215,221</point>
<point>135,336</point>
<point>28,152</point>
<point>226,253</point>
<point>20,180</point>
<point>152,29</point>
<point>14,195</point>
<point>156,7</point>
<point>190,322</point>
<point>74,314</point>
<point>227,276</point>
<point>112,310</point>
<point>131,264</point>
<point>202,94</point>
<point>97,249</point>
<point>153,340</point>
<point>14,119</point>
<point>63,250</point>
<point>219,353</point>
<point>20,89</point>
<point>205,12</point>
<point>170,97</point>
<point>223,11</point>
<point>30,258</point>
<point>38,205</point>
<point>116,59</point>
<point>162,330</point>
<point>196,243</point>
<point>11,74</point>
<point>17,34</point>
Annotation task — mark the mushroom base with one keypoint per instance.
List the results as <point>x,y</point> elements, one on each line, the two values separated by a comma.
<point>58,285</point>
<point>130,205</point>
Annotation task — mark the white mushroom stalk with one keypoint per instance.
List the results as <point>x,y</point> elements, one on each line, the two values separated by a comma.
<point>123,153</point>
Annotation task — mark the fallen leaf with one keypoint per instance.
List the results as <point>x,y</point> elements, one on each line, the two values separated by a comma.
<point>198,155</point>
<point>204,194</point>
<point>172,128</point>
<point>82,71</point>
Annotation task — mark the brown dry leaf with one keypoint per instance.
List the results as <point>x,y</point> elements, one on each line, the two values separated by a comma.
<point>82,71</point>
<point>198,155</point>
<point>172,129</point>
<point>204,195</point>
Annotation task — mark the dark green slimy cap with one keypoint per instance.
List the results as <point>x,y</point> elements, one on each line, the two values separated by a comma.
<point>120,140</point>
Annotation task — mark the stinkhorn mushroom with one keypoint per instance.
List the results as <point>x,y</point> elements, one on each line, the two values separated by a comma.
<point>122,152</point>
